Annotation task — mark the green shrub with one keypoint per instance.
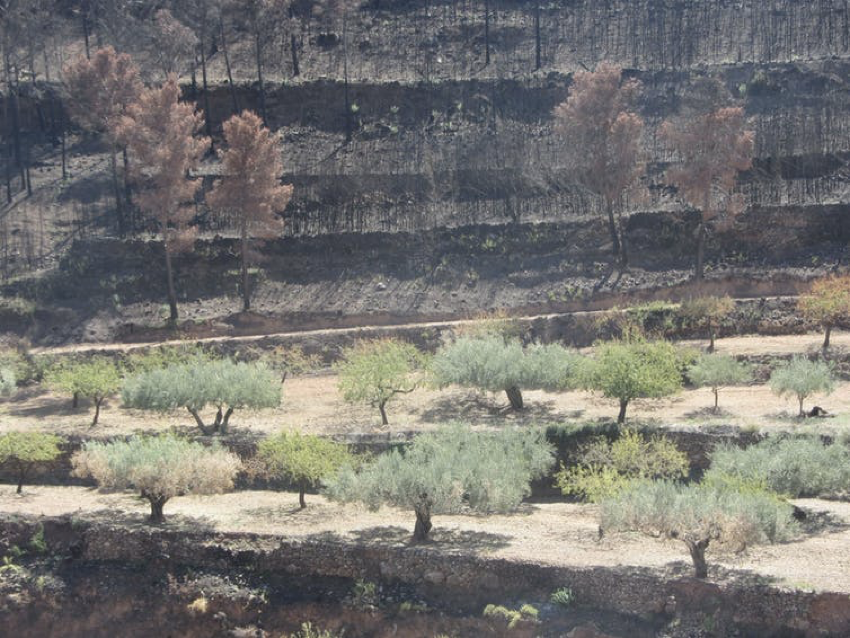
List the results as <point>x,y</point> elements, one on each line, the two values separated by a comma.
<point>308,631</point>
<point>493,364</point>
<point>802,378</point>
<point>607,467</point>
<point>303,459</point>
<point>448,471</point>
<point>699,515</point>
<point>512,616</point>
<point>288,360</point>
<point>23,450</point>
<point>375,371</point>
<point>716,371</point>
<point>828,303</point>
<point>156,358</point>
<point>226,385</point>
<point>159,468</point>
<point>797,467</point>
<point>563,597</point>
<point>626,371</point>
<point>94,379</point>
<point>8,382</point>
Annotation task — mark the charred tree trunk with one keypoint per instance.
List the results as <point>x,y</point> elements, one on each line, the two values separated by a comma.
<point>621,417</point>
<point>699,269</point>
<point>246,293</point>
<point>537,61</point>
<point>346,97</point>
<point>423,520</point>
<point>258,52</point>
<point>227,65</point>
<point>116,191</point>
<point>515,397</point>
<point>293,47</point>
<point>612,228</point>
<point>486,32</point>
<point>62,140</point>
<point>204,85</point>
<point>697,551</point>
<point>172,294</point>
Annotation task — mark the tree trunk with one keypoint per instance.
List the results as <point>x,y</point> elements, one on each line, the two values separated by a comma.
<point>172,295</point>
<point>97,402</point>
<point>62,140</point>
<point>23,470</point>
<point>227,66</point>
<point>382,406</point>
<point>116,191</point>
<point>346,98</point>
<point>827,330</point>
<point>710,337</point>
<point>537,62</point>
<point>716,393</point>
<point>697,550</point>
<point>205,87</point>
<point>157,503</point>
<point>259,56</point>
<point>86,33</point>
<point>423,522</point>
<point>125,180</point>
<point>296,71</point>
<point>612,228</point>
<point>486,32</point>
<point>199,421</point>
<point>802,411</point>
<point>515,398</point>
<point>699,268</point>
<point>302,488</point>
<point>225,422</point>
<point>621,417</point>
<point>243,244</point>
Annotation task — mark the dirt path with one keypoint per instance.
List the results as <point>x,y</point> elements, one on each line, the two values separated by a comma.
<point>547,533</point>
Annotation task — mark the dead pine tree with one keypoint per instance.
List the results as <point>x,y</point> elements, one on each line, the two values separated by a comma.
<point>98,93</point>
<point>250,190</point>
<point>160,132</point>
<point>601,136</point>
<point>712,146</point>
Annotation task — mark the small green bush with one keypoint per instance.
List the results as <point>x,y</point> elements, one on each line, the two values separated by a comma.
<point>512,616</point>
<point>797,467</point>
<point>708,313</point>
<point>226,385</point>
<point>8,382</point>
<point>563,597</point>
<point>159,357</point>
<point>699,515</point>
<point>95,379</point>
<point>802,378</point>
<point>716,371</point>
<point>607,467</point>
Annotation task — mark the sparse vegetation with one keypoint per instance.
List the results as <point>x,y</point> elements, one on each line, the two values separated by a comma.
<point>513,617</point>
<point>801,378</point>
<point>159,468</point>
<point>8,382</point>
<point>96,378</point>
<point>707,312</point>
<point>604,467</point>
<point>450,470</point>
<point>827,304</point>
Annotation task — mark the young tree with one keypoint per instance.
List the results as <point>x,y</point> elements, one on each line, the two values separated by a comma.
<point>626,371</point>
<point>95,379</point>
<point>306,461</point>
<point>493,364</point>
<point>707,312</point>
<point>449,471</point>
<point>224,384</point>
<point>159,468</point>
<point>160,134</point>
<point>713,147</point>
<point>23,450</point>
<point>699,515</point>
<point>828,304</point>
<point>716,371</point>
<point>250,189</point>
<point>374,372</point>
<point>602,141</point>
<point>802,378</point>
<point>99,92</point>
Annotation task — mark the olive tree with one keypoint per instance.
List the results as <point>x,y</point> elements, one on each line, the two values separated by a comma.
<point>707,312</point>
<point>699,515</point>
<point>302,459</point>
<point>802,378</point>
<point>158,467</point>
<point>23,450</point>
<point>633,370</point>
<point>716,371</point>
<point>828,304</point>
<point>375,371</point>
<point>8,382</point>
<point>94,379</point>
<point>451,470</point>
<point>495,364</point>
<point>223,384</point>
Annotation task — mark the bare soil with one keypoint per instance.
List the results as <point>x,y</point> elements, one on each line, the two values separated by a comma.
<point>558,534</point>
<point>313,404</point>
